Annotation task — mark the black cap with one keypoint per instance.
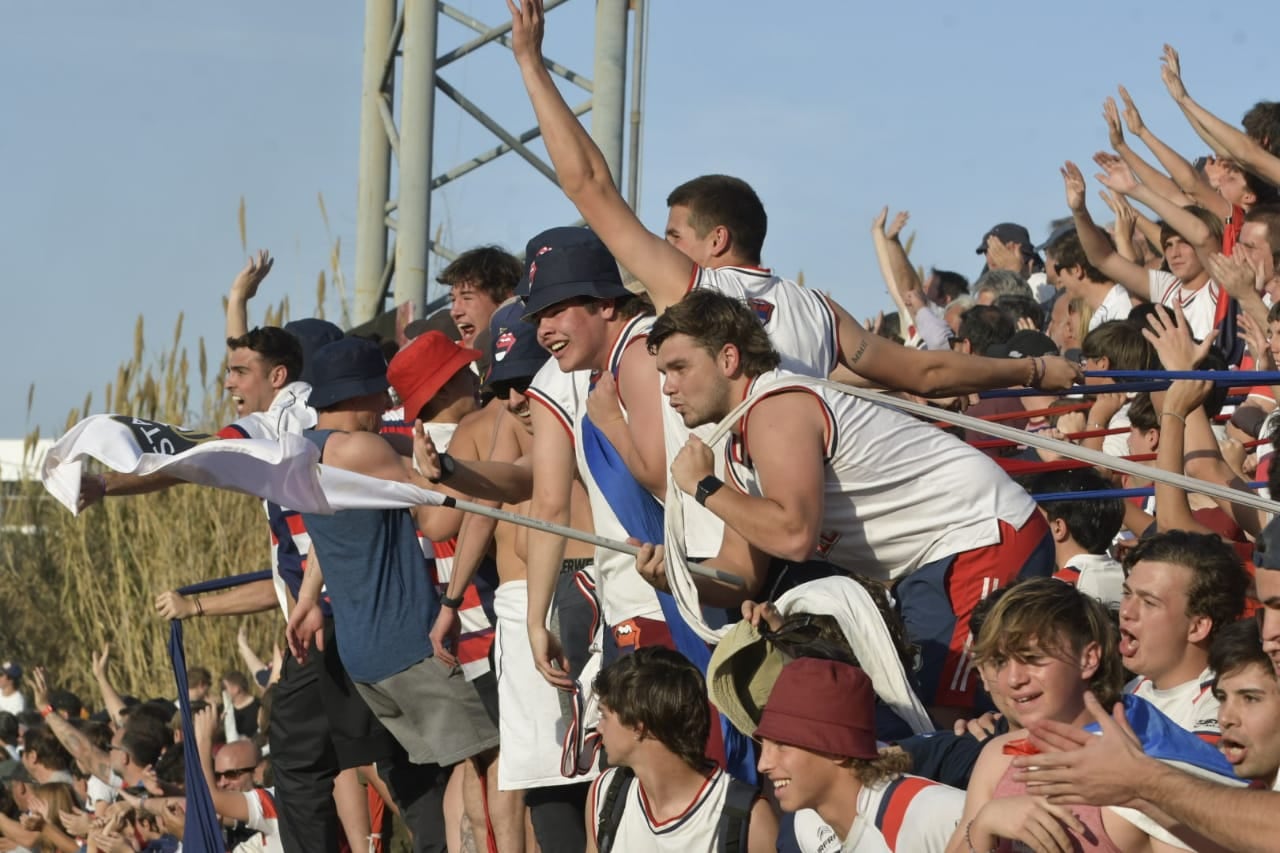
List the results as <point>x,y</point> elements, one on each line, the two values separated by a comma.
<point>1025,342</point>
<point>568,235</point>
<point>351,367</point>
<point>515,352</point>
<point>1057,234</point>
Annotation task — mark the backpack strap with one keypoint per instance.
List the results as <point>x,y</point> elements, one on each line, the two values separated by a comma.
<point>735,817</point>
<point>615,803</point>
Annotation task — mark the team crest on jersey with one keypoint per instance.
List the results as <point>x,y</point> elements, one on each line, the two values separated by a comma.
<point>506,340</point>
<point>763,309</point>
<point>827,541</point>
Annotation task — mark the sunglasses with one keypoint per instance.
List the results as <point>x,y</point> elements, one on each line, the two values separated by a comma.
<point>503,388</point>
<point>236,773</point>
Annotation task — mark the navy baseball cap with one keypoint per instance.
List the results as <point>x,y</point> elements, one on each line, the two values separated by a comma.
<point>515,352</point>
<point>566,266</point>
<point>351,367</point>
<point>568,235</point>
<point>1057,234</point>
<point>1266,549</point>
<point>1009,232</point>
<point>312,333</point>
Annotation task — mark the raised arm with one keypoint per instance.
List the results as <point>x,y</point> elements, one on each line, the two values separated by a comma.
<point>584,174</point>
<point>1097,248</point>
<point>1149,175</point>
<point>111,700</point>
<point>1188,184</point>
<point>1224,138</point>
<point>1173,507</point>
<point>244,288</point>
<point>92,760</point>
<point>1119,178</point>
<point>228,804</point>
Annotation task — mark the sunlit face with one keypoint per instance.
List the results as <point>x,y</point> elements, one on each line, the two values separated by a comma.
<point>517,403</point>
<point>1249,717</point>
<point>233,767</point>
<point>696,386</point>
<point>681,234</point>
<point>801,778</point>
<point>1071,279</point>
<point>1254,245</point>
<point>1155,630</point>
<point>1273,338</point>
<point>575,333</point>
<point>1182,260</point>
<point>471,310</point>
<point>249,381</point>
<point>1267,582</point>
<point>618,739</point>
<point>1040,685</point>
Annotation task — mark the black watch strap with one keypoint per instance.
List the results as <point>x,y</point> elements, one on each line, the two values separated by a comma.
<point>447,468</point>
<point>446,601</point>
<point>707,487</point>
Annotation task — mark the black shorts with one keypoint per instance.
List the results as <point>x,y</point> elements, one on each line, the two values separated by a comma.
<point>358,738</point>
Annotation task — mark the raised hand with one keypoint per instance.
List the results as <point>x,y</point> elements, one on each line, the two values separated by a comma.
<point>39,688</point>
<point>757,611</point>
<point>1132,117</point>
<point>1116,175</point>
<point>1237,275</point>
<point>100,661</point>
<point>425,456</point>
<point>899,222</point>
<point>1126,216</point>
<point>1004,256</point>
<point>877,224</point>
<point>1173,342</point>
<point>1171,73</point>
<point>1111,115</point>
<point>245,286</point>
<point>692,464</point>
<point>528,21</point>
<point>1186,395</point>
<point>1073,182</point>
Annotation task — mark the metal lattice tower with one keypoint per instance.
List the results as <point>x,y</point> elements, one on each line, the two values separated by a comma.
<point>406,30</point>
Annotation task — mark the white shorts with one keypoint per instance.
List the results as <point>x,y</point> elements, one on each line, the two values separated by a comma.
<point>531,722</point>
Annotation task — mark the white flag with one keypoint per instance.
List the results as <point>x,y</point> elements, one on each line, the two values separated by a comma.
<point>285,471</point>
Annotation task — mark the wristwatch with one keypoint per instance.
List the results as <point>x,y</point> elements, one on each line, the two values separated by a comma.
<point>447,468</point>
<point>707,487</point>
<point>446,601</point>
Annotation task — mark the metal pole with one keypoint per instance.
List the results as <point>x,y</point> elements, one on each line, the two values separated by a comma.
<point>638,60</point>
<point>417,112</point>
<point>374,179</point>
<point>608,117</point>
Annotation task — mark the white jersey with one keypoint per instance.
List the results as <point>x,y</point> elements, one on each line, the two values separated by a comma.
<point>1116,306</point>
<point>1097,575</point>
<point>697,828</point>
<point>262,817</point>
<point>800,322</point>
<point>15,703</point>
<point>908,814</point>
<point>899,492</point>
<point>1202,307</point>
<point>1191,704</point>
<point>624,594</point>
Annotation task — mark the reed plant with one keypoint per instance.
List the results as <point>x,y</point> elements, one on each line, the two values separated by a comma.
<point>72,583</point>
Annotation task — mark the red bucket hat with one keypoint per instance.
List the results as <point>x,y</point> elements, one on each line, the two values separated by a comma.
<point>422,368</point>
<point>822,705</point>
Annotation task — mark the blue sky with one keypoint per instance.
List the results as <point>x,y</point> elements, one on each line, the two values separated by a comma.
<point>133,129</point>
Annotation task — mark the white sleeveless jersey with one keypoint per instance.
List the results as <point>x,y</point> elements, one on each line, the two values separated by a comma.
<point>800,322</point>
<point>624,594</point>
<point>908,814</point>
<point>694,830</point>
<point>802,327</point>
<point>899,492</point>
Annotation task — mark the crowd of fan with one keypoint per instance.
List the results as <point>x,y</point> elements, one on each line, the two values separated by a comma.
<point>905,648</point>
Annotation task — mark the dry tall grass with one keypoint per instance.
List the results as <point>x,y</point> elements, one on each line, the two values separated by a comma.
<point>71,584</point>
